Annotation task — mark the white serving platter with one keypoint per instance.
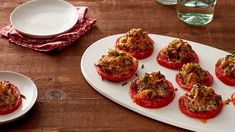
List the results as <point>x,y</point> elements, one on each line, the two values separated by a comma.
<point>170,114</point>
<point>26,87</point>
<point>44,18</point>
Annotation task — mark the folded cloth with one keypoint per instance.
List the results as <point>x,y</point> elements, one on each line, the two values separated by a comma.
<point>55,43</point>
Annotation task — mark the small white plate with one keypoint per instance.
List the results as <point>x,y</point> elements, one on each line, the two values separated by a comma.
<point>26,87</point>
<point>170,114</point>
<point>44,18</point>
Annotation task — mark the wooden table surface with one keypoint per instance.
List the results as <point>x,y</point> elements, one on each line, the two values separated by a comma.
<point>66,102</point>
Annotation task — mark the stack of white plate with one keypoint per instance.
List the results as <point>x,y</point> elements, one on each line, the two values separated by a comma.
<point>44,18</point>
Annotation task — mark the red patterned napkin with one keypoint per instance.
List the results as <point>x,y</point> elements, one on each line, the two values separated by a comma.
<point>55,43</point>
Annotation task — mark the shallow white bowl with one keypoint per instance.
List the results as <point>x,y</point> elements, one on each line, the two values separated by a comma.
<point>44,18</point>
<point>26,87</point>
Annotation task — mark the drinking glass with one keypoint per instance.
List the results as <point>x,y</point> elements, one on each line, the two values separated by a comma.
<point>196,12</point>
<point>167,2</point>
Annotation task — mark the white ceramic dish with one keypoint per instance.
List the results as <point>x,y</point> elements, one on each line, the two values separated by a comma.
<point>44,18</point>
<point>170,114</point>
<point>26,87</point>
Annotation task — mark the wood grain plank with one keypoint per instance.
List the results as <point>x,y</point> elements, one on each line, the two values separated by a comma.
<point>66,102</point>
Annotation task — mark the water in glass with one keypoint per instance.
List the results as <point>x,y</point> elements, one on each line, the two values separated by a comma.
<point>196,12</point>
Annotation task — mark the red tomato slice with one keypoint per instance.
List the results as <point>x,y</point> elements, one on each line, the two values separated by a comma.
<point>222,77</point>
<point>138,54</point>
<point>205,83</point>
<point>174,65</point>
<point>199,115</point>
<point>113,78</point>
<point>154,103</point>
<point>233,98</point>
<point>7,110</point>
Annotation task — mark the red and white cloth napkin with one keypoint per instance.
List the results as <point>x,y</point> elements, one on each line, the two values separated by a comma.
<point>55,43</point>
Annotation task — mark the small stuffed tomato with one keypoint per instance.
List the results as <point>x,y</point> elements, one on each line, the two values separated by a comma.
<point>201,102</point>
<point>192,73</point>
<point>116,66</point>
<point>225,70</point>
<point>177,53</point>
<point>10,98</point>
<point>152,90</point>
<point>137,43</point>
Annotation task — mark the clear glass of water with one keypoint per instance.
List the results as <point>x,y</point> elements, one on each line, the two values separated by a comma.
<point>167,2</point>
<point>196,12</point>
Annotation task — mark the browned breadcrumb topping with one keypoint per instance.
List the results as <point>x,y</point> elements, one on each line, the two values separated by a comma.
<point>7,95</point>
<point>227,65</point>
<point>201,99</point>
<point>192,73</point>
<point>151,85</point>
<point>178,51</point>
<point>135,40</point>
<point>116,63</point>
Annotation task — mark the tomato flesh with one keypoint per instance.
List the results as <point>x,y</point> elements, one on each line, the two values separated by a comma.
<point>199,115</point>
<point>138,54</point>
<point>154,103</point>
<point>18,101</point>
<point>222,77</point>
<point>205,83</point>
<point>114,78</point>
<point>174,65</point>
<point>233,98</point>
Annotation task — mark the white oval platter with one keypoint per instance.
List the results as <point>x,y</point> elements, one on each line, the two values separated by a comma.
<point>170,114</point>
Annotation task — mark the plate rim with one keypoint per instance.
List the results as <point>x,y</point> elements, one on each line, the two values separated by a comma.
<point>32,103</point>
<point>35,35</point>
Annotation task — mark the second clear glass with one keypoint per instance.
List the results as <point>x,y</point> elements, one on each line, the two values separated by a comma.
<point>196,12</point>
<point>167,2</point>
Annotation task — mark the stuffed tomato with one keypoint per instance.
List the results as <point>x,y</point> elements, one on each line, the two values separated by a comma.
<point>152,90</point>
<point>201,102</point>
<point>116,66</point>
<point>10,98</point>
<point>192,73</point>
<point>137,43</point>
<point>175,54</point>
<point>225,69</point>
